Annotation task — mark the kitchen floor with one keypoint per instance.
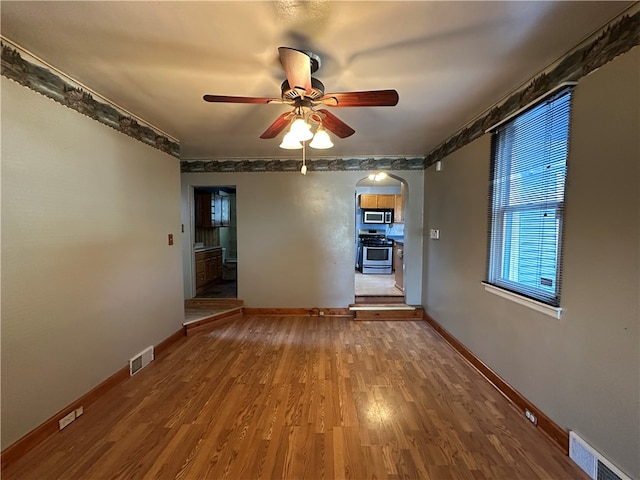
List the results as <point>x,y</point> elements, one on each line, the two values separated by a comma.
<point>225,288</point>
<point>376,285</point>
<point>365,285</point>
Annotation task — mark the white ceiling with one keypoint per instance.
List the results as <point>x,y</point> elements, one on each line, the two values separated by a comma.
<point>449,61</point>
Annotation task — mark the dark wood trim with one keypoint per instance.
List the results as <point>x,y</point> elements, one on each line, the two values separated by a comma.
<point>164,345</point>
<point>364,299</point>
<point>36,436</point>
<point>386,314</point>
<point>299,312</point>
<point>216,303</point>
<point>557,434</point>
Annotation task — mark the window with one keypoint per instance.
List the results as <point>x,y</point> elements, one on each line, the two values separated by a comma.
<point>220,210</point>
<point>526,209</point>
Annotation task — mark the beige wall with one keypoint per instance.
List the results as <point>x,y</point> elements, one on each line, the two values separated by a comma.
<point>583,370</point>
<point>296,236</point>
<point>88,279</point>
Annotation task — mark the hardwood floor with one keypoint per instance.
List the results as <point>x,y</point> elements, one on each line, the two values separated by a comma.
<point>302,398</point>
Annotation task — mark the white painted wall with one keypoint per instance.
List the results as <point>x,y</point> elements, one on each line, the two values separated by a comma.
<point>584,369</point>
<point>88,279</point>
<point>295,236</point>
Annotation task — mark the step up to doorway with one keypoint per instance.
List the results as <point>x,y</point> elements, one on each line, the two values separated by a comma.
<point>201,312</point>
<point>379,299</point>
<point>213,303</point>
<point>386,312</point>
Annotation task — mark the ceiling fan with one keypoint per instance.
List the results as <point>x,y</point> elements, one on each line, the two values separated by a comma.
<point>305,94</point>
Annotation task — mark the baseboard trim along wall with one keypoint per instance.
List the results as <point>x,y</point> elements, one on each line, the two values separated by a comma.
<point>39,434</point>
<point>162,347</point>
<point>552,430</point>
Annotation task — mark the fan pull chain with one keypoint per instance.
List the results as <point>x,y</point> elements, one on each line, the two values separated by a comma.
<point>303,170</point>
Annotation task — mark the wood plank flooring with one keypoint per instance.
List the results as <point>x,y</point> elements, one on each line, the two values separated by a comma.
<point>302,398</point>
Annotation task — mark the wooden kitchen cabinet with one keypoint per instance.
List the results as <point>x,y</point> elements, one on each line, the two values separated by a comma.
<point>203,209</point>
<point>201,277</point>
<point>398,261</point>
<point>386,201</point>
<point>368,200</point>
<point>398,209</point>
<point>371,200</point>
<point>208,268</point>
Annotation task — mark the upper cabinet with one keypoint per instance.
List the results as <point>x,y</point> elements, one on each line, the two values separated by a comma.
<point>371,200</point>
<point>203,208</point>
<point>368,200</point>
<point>386,201</point>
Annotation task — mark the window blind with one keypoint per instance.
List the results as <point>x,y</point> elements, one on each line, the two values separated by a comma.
<point>526,211</point>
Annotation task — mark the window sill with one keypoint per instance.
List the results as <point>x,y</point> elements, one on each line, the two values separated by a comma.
<point>554,312</point>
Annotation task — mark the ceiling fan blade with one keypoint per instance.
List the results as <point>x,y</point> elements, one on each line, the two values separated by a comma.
<point>372,98</point>
<point>297,68</point>
<point>232,99</point>
<point>276,127</point>
<point>335,125</point>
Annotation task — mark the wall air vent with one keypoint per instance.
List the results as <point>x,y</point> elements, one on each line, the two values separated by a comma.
<point>141,360</point>
<point>591,461</point>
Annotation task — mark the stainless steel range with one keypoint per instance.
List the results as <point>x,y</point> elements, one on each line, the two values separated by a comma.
<point>375,252</point>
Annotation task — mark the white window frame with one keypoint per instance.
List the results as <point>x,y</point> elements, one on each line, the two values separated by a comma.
<point>499,207</point>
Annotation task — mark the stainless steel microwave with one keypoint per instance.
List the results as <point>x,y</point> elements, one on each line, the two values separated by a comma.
<point>377,216</point>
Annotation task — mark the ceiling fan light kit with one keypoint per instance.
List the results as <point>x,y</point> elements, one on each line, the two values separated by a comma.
<point>301,130</point>
<point>321,140</point>
<point>289,142</point>
<point>305,93</point>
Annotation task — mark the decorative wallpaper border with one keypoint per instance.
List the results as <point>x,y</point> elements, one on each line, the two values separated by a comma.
<point>618,38</point>
<point>321,165</point>
<point>19,66</point>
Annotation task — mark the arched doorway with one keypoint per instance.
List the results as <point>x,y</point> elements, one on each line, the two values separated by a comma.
<point>379,238</point>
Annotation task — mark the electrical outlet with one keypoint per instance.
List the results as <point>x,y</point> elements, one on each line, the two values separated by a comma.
<point>532,418</point>
<point>67,419</point>
<point>321,313</point>
<point>79,411</point>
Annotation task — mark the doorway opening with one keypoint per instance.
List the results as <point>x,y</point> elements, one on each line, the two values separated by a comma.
<point>215,242</point>
<point>379,239</point>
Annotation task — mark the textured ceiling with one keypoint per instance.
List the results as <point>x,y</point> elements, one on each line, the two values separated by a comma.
<point>449,61</point>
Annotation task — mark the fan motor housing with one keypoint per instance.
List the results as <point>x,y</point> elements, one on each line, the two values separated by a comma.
<point>316,93</point>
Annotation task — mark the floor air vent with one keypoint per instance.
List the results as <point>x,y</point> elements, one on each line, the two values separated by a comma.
<point>591,461</point>
<point>140,361</point>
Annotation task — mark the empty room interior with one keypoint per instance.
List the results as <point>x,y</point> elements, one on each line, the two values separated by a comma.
<point>320,239</point>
